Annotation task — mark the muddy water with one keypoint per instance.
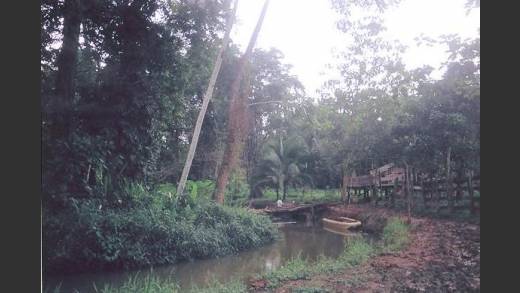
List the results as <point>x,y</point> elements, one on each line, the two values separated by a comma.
<point>310,242</point>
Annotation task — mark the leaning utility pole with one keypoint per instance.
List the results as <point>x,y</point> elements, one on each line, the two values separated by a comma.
<point>205,102</point>
<point>237,109</point>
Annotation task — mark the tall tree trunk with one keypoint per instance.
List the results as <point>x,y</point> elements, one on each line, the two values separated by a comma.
<point>67,63</point>
<point>237,109</point>
<point>448,181</point>
<point>344,171</point>
<point>344,186</point>
<point>207,97</point>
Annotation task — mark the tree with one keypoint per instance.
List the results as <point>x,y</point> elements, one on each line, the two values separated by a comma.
<point>237,126</point>
<point>282,165</point>
<point>207,98</point>
<point>135,73</point>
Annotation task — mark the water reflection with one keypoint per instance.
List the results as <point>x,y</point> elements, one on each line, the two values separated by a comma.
<point>310,242</point>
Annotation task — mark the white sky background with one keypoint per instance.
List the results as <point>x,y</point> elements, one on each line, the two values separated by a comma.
<point>305,32</point>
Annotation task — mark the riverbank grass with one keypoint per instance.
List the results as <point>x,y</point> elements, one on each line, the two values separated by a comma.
<point>395,236</point>
<point>358,251</point>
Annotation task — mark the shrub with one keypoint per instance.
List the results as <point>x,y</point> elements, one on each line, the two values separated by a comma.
<point>87,236</point>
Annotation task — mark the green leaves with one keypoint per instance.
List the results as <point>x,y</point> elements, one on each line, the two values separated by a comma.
<point>88,238</point>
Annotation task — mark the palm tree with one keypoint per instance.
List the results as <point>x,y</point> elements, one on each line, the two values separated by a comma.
<point>281,166</point>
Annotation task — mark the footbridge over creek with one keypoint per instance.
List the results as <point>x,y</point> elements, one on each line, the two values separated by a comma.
<point>309,213</point>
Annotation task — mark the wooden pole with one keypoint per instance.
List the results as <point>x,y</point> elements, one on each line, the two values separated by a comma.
<point>423,191</point>
<point>205,102</point>
<point>408,194</point>
<point>470,193</point>
<point>394,192</point>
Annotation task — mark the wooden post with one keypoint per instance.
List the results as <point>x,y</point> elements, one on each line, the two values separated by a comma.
<point>374,194</point>
<point>380,186</point>
<point>349,189</point>
<point>423,191</point>
<point>344,188</point>
<point>470,193</point>
<point>407,193</point>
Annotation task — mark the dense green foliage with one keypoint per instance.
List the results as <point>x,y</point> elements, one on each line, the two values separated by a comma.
<point>152,231</point>
<point>282,166</point>
<point>134,85</point>
<point>121,94</point>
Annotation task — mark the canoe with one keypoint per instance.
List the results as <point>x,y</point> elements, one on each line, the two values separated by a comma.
<point>340,223</point>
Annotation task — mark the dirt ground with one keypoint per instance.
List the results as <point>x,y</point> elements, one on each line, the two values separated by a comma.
<point>443,256</point>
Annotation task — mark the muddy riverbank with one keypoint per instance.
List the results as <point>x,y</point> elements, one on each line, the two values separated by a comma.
<point>443,256</point>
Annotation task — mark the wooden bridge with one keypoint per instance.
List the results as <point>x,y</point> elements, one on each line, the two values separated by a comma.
<point>308,212</point>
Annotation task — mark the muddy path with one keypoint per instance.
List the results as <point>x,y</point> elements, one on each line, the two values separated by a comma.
<point>443,256</point>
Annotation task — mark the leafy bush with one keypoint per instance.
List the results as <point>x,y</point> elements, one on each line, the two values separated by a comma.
<point>153,230</point>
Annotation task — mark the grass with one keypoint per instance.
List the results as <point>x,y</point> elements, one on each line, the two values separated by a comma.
<point>234,286</point>
<point>395,235</point>
<point>309,290</point>
<point>149,285</point>
<point>152,284</point>
<point>357,251</point>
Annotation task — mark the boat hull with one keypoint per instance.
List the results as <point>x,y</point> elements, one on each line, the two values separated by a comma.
<point>342,225</point>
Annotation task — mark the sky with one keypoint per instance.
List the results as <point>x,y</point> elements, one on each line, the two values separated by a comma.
<point>305,32</point>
